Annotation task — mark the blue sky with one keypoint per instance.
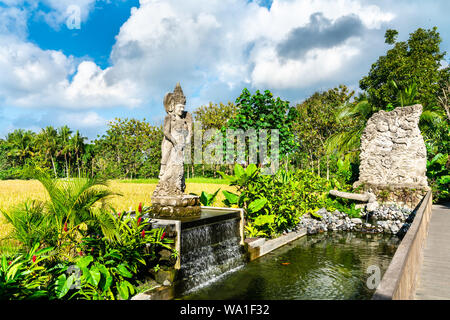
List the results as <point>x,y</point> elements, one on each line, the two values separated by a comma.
<point>128,53</point>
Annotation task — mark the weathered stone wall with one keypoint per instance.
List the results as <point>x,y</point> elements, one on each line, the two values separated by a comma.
<point>392,149</point>
<point>393,153</point>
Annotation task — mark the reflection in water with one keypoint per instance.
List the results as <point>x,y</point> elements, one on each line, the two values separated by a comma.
<point>322,266</point>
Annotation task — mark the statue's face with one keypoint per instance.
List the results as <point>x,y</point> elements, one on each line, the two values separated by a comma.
<point>179,109</point>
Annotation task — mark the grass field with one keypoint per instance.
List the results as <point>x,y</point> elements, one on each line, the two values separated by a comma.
<point>13,192</point>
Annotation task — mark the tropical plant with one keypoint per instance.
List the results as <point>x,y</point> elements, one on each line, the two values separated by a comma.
<point>275,203</point>
<point>75,209</point>
<point>24,276</point>
<point>207,199</point>
<point>109,268</point>
<point>439,176</point>
<point>263,111</point>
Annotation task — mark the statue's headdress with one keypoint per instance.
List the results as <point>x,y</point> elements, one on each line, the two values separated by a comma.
<point>171,99</point>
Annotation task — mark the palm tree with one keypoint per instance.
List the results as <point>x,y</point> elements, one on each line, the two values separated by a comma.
<point>74,209</point>
<point>347,142</point>
<point>77,146</point>
<point>444,100</point>
<point>20,144</point>
<point>47,138</point>
<point>64,134</point>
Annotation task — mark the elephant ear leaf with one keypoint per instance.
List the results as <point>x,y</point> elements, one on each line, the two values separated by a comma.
<point>257,205</point>
<point>230,198</point>
<point>251,169</point>
<point>238,171</point>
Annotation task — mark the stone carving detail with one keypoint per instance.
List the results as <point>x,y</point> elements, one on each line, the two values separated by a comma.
<point>393,152</point>
<point>168,198</point>
<point>177,135</point>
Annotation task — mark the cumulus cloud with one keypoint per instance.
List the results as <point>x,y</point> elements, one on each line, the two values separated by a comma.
<point>320,32</point>
<point>214,48</point>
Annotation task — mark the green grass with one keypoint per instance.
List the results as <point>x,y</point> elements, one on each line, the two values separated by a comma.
<point>191,180</point>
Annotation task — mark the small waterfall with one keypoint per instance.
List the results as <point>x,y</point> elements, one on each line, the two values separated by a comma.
<point>209,251</point>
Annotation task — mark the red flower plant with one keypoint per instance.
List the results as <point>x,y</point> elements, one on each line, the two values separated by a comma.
<point>34,259</point>
<point>119,214</point>
<point>139,221</point>
<point>65,227</point>
<point>163,235</point>
<point>143,233</point>
<point>9,263</point>
<point>140,207</point>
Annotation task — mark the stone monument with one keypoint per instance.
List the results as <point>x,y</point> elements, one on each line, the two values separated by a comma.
<point>393,156</point>
<point>168,199</point>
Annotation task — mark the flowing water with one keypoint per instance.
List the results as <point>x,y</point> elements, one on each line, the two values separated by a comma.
<point>322,266</point>
<point>209,251</point>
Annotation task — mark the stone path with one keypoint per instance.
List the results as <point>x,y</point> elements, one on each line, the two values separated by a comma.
<point>434,278</point>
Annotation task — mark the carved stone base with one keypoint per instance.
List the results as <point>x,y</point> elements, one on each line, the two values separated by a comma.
<point>401,194</point>
<point>176,206</point>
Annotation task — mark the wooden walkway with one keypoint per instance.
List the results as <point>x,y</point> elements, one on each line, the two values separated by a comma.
<point>434,278</point>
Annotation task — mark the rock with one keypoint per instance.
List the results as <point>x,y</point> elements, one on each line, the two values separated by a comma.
<point>393,151</point>
<point>167,283</point>
<point>356,221</point>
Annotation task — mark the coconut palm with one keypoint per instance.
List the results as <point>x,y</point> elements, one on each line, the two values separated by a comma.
<point>20,144</point>
<point>64,134</point>
<point>77,146</point>
<point>75,208</point>
<point>347,142</point>
<point>47,139</point>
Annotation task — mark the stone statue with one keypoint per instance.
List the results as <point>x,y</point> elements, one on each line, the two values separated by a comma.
<point>169,198</point>
<point>393,156</point>
<point>177,136</point>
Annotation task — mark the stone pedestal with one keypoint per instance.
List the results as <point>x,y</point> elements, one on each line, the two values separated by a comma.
<point>176,206</point>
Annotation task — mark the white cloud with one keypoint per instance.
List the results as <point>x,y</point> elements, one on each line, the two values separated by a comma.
<point>317,66</point>
<point>231,42</point>
<point>13,21</point>
<point>82,120</point>
<point>212,47</point>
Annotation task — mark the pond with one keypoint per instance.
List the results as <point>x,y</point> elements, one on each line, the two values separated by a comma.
<point>323,266</point>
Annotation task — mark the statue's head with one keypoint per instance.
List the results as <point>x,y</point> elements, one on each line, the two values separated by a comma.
<point>179,109</point>
<point>172,99</point>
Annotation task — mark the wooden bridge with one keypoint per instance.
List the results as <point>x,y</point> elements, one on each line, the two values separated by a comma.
<point>434,276</point>
<point>420,268</point>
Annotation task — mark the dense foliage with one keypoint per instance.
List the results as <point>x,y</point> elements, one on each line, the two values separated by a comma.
<point>274,203</point>
<point>72,246</point>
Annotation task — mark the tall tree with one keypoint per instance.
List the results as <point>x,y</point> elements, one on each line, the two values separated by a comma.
<point>416,61</point>
<point>317,121</point>
<point>47,140</point>
<point>263,111</point>
<point>77,146</point>
<point>64,134</point>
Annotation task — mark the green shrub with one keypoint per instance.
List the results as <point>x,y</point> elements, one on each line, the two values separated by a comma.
<point>275,203</point>
<point>24,276</point>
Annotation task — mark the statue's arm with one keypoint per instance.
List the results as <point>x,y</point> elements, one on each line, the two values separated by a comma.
<point>190,123</point>
<point>167,129</point>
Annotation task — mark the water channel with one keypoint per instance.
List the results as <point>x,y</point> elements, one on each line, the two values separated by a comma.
<point>334,265</point>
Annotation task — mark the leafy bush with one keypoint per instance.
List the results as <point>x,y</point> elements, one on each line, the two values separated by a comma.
<point>24,276</point>
<point>439,176</point>
<point>112,251</point>
<point>275,203</point>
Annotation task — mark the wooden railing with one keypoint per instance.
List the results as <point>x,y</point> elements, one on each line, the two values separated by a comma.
<point>400,280</point>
